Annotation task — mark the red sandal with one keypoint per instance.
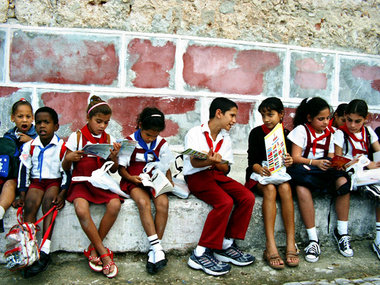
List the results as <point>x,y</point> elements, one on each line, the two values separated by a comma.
<point>108,266</point>
<point>93,261</point>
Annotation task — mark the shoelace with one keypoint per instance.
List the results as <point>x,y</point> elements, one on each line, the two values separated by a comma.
<point>346,242</point>
<point>312,248</point>
<point>211,257</point>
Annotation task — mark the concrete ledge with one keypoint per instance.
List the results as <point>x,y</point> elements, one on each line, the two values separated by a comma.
<point>185,223</point>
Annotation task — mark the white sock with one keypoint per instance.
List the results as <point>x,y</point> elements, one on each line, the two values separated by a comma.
<point>227,242</point>
<point>199,250</point>
<point>342,227</point>
<point>2,212</point>
<point>378,233</point>
<point>312,233</point>
<point>155,242</point>
<point>151,255</point>
<point>46,247</point>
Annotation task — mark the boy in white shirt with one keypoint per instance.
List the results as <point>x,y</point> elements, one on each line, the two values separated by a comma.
<point>232,203</point>
<point>42,175</point>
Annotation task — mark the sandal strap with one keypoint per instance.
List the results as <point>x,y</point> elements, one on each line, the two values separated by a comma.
<point>109,253</point>
<point>108,266</point>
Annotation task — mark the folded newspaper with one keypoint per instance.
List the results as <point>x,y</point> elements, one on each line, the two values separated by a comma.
<point>158,183</point>
<point>103,149</point>
<point>198,154</point>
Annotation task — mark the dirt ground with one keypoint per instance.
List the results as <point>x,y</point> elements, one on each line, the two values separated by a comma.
<point>71,268</point>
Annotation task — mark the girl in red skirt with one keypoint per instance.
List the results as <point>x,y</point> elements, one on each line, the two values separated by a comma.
<point>82,194</point>
<point>150,147</point>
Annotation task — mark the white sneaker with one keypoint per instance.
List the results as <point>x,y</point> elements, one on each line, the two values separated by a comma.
<point>376,249</point>
<point>312,251</point>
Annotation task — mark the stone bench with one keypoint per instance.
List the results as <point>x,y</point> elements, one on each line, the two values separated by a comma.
<point>186,219</point>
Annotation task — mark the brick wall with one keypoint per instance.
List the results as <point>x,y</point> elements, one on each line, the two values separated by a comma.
<point>180,75</point>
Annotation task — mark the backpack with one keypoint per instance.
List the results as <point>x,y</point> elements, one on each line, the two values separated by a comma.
<point>22,249</point>
<point>9,158</point>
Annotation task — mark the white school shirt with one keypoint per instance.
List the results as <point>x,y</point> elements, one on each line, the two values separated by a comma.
<point>298,136</point>
<point>339,141</point>
<point>124,159</point>
<point>51,166</point>
<point>195,139</point>
<point>72,142</point>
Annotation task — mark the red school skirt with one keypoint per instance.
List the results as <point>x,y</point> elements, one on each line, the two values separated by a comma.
<point>134,169</point>
<point>85,189</point>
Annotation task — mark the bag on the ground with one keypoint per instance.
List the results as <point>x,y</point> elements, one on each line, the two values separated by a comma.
<point>22,248</point>
<point>9,161</point>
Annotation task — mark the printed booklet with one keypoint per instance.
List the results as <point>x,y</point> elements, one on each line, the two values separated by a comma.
<point>103,149</point>
<point>275,148</point>
<point>158,183</point>
<point>198,154</point>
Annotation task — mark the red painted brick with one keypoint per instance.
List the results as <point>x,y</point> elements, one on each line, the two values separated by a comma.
<point>62,59</point>
<point>151,64</point>
<point>311,80</point>
<point>376,85</point>
<point>215,68</point>
<point>244,111</point>
<point>7,91</point>
<point>307,75</point>
<point>374,120</point>
<point>71,107</point>
<point>126,110</point>
<point>366,72</point>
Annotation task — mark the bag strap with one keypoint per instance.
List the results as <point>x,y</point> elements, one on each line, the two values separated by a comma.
<point>54,208</point>
<point>178,167</point>
<point>78,138</point>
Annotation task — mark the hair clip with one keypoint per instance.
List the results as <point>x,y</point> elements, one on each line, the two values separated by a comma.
<point>22,100</point>
<point>96,105</point>
<point>156,115</point>
<point>308,99</point>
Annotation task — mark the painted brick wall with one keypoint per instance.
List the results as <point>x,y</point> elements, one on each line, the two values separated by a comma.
<point>180,75</point>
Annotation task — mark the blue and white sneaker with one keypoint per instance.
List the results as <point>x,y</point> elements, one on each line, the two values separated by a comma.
<point>376,249</point>
<point>234,255</point>
<point>208,263</point>
<point>344,244</point>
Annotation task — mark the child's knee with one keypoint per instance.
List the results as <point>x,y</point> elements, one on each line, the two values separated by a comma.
<point>162,205</point>
<point>143,204</point>
<point>113,206</point>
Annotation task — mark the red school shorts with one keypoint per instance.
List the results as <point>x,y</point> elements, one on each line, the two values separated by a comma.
<point>44,184</point>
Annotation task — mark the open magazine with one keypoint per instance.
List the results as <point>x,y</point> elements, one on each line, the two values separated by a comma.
<point>198,154</point>
<point>158,183</point>
<point>103,149</point>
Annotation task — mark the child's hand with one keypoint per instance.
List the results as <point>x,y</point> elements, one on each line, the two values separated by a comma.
<point>59,200</point>
<point>24,138</point>
<point>322,164</point>
<point>214,157</point>
<point>135,179</point>
<point>115,151</point>
<point>75,155</point>
<point>373,165</point>
<point>264,171</point>
<point>288,160</point>
<point>19,202</point>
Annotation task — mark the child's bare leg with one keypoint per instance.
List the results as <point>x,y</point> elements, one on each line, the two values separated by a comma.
<point>342,203</point>
<point>109,218</point>
<point>8,194</point>
<point>162,207</point>
<point>142,199</point>
<point>306,205</point>
<point>82,210</point>
<point>46,204</point>
<point>33,201</point>
<point>287,211</point>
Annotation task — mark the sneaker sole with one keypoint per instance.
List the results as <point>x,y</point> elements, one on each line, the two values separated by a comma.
<point>197,266</point>
<point>231,260</point>
<point>341,251</point>
<point>311,260</point>
<point>376,251</point>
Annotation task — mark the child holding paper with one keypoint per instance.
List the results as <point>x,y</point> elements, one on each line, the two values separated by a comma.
<point>151,148</point>
<point>272,112</point>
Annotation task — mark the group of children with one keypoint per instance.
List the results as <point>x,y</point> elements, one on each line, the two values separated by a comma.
<point>47,165</point>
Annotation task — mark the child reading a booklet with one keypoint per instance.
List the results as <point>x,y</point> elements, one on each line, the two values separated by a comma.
<point>151,149</point>
<point>272,112</point>
<point>354,138</point>
<point>207,179</point>
<point>82,193</point>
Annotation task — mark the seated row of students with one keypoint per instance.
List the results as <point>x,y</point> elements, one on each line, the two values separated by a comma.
<point>312,147</point>
<point>232,203</point>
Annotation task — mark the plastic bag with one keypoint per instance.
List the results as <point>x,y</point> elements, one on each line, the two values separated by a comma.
<point>276,178</point>
<point>101,179</point>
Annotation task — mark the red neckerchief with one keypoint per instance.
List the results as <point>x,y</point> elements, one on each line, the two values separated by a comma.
<point>354,138</point>
<point>265,129</point>
<point>89,137</point>
<point>210,144</point>
<point>315,140</point>
<point>330,126</point>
